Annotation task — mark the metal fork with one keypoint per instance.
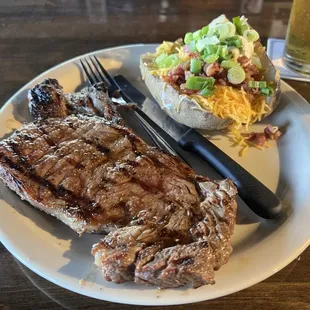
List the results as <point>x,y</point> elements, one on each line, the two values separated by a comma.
<point>96,73</point>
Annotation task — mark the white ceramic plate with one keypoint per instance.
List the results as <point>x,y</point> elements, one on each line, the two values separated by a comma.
<point>261,247</point>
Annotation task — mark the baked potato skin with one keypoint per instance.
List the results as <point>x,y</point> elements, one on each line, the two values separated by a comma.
<point>179,107</point>
<point>189,112</point>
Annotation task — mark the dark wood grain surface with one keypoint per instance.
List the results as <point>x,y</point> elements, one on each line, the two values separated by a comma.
<point>35,35</point>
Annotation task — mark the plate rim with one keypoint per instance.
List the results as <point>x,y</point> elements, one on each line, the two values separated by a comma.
<point>38,268</point>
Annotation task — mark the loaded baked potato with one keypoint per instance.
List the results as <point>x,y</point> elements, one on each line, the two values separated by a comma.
<point>216,76</point>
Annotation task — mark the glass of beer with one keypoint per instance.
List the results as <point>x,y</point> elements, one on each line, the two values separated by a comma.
<point>297,47</point>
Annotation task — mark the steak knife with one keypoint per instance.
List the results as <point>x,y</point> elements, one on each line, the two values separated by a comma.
<point>255,194</point>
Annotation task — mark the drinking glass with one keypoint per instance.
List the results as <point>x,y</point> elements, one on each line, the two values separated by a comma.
<point>297,47</point>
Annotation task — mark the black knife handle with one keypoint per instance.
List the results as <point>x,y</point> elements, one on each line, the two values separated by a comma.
<point>255,194</point>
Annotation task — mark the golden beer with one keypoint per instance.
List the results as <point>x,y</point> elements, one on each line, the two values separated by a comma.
<point>297,48</point>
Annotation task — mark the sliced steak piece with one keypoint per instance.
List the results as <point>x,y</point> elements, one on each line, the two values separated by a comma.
<point>47,100</point>
<point>177,266</point>
<point>172,255</point>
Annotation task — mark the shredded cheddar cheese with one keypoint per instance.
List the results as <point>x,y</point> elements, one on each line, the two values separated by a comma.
<point>231,103</point>
<point>160,72</point>
<point>165,48</point>
<point>234,104</point>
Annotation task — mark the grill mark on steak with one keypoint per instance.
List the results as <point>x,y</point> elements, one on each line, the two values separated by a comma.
<point>77,205</point>
<point>45,136</point>
<point>101,148</point>
<point>133,139</point>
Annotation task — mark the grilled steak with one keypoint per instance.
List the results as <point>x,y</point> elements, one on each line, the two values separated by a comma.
<point>47,100</point>
<point>177,245</point>
<point>165,225</point>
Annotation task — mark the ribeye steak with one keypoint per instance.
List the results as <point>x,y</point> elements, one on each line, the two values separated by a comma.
<point>166,225</point>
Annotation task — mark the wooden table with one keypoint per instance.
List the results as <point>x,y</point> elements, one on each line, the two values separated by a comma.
<point>35,35</point>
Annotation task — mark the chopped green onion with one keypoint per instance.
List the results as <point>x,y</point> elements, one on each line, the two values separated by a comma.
<point>234,53</point>
<point>195,66</point>
<point>159,59</point>
<point>167,61</point>
<point>237,43</point>
<point>219,20</point>
<point>207,91</point>
<point>188,37</point>
<point>237,23</point>
<point>251,35</point>
<point>244,28</point>
<point>192,46</point>
<point>205,30</point>
<point>257,84</point>
<point>227,64</point>
<point>256,61</point>
<point>199,82</point>
<point>222,51</point>
<point>267,91</point>
<point>253,84</point>
<point>232,29</point>
<point>234,41</point>
<point>197,34</point>
<point>240,24</point>
<point>202,43</point>
<point>210,49</point>
<point>262,84</point>
<point>223,31</point>
<point>211,58</point>
<point>236,75</point>
<point>175,60</point>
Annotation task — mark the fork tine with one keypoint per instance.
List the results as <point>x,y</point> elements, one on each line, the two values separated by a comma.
<point>106,74</point>
<point>97,80</point>
<point>88,75</point>
<point>113,87</point>
<point>103,78</point>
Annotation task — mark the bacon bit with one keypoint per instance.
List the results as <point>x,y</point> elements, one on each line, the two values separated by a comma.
<point>190,54</point>
<point>212,69</point>
<point>257,138</point>
<point>251,71</point>
<point>186,65</point>
<point>222,82</point>
<point>221,77</point>
<point>243,61</point>
<point>272,132</point>
<point>179,70</point>
<point>186,91</point>
<point>193,55</point>
<point>260,138</point>
<point>176,76</point>
<point>251,136</point>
